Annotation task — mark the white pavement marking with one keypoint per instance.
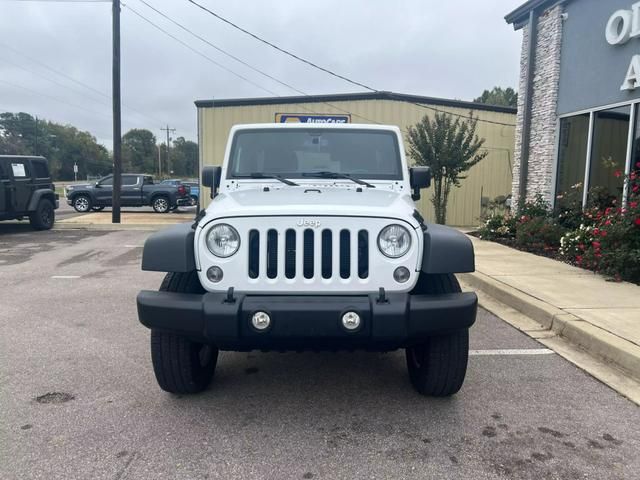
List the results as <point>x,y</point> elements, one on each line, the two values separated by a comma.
<point>133,246</point>
<point>65,276</point>
<point>514,351</point>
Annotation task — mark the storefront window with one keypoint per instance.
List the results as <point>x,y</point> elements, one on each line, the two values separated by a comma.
<point>635,155</point>
<point>572,154</point>
<point>608,156</point>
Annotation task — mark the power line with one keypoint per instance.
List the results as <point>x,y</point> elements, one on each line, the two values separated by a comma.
<point>54,98</point>
<point>58,1</point>
<point>51,80</point>
<point>74,80</point>
<point>224,52</point>
<point>254,68</point>
<point>199,52</point>
<point>286,52</point>
<point>308,62</point>
<point>231,71</point>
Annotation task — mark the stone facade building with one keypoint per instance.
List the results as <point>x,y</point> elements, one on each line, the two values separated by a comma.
<point>577,108</point>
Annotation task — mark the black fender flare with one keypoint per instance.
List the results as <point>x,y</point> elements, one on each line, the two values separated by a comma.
<point>39,195</point>
<point>170,250</point>
<point>447,250</point>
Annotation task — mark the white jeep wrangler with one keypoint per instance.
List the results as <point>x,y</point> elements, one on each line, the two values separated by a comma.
<point>312,241</point>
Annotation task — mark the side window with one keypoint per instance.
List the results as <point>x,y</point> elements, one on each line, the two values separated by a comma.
<point>40,169</point>
<point>4,173</point>
<point>129,180</point>
<point>19,170</point>
<point>148,180</point>
<point>107,182</point>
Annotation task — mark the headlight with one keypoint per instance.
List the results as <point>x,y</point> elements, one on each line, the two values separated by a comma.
<point>394,241</point>
<point>223,240</point>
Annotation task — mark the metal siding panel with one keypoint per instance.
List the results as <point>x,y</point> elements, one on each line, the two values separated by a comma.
<point>490,178</point>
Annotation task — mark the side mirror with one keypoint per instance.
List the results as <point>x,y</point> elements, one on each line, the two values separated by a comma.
<point>211,178</point>
<point>97,185</point>
<point>419,178</point>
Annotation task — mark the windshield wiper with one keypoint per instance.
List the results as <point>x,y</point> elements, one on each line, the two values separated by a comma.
<point>263,175</point>
<point>337,175</point>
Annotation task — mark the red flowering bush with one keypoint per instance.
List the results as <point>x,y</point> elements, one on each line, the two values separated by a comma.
<point>605,237</point>
<point>609,240</point>
<point>538,235</point>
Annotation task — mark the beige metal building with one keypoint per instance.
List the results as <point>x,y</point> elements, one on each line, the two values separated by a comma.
<point>490,178</point>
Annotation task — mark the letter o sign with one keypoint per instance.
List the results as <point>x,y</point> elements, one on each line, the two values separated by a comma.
<point>619,27</point>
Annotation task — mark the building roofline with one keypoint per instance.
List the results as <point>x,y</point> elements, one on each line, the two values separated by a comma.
<point>342,97</point>
<point>519,16</point>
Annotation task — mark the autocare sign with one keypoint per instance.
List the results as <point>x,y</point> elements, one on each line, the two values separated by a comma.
<point>623,26</point>
<point>314,118</point>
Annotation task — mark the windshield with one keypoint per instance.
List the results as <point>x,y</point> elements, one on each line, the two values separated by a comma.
<point>294,153</point>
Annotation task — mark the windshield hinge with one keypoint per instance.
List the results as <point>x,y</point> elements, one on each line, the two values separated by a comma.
<point>199,217</point>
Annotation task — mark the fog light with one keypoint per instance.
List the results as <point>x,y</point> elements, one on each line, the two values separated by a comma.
<point>214,274</point>
<point>401,274</point>
<point>351,321</point>
<point>261,320</point>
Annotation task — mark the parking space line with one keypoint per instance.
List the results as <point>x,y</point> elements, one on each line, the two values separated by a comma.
<point>65,276</point>
<point>513,351</point>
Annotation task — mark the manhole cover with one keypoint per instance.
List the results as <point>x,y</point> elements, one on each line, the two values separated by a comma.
<point>55,397</point>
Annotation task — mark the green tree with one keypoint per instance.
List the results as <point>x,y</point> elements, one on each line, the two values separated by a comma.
<point>139,151</point>
<point>450,147</point>
<point>497,96</point>
<point>63,145</point>
<point>184,158</point>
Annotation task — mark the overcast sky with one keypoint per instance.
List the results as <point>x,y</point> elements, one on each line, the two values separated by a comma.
<point>451,49</point>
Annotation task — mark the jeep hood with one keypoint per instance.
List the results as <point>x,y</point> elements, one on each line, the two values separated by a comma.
<point>310,201</point>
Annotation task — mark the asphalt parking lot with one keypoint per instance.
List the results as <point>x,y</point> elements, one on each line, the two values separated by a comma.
<point>78,398</point>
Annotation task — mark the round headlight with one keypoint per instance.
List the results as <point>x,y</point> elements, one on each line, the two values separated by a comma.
<point>394,241</point>
<point>223,240</point>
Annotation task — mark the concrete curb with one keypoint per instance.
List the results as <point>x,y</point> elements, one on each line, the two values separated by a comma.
<point>109,226</point>
<point>598,342</point>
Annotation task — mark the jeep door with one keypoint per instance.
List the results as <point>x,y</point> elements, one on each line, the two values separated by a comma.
<point>20,172</point>
<point>5,185</point>
<point>103,191</point>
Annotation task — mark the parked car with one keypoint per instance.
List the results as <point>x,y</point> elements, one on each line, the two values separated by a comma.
<point>137,190</point>
<point>193,199</point>
<point>194,191</point>
<point>313,242</point>
<point>26,190</point>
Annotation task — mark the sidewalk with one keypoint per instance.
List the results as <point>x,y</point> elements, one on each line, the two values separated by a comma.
<point>128,220</point>
<point>600,316</point>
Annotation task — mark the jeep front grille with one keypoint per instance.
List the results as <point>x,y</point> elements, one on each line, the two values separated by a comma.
<point>326,253</point>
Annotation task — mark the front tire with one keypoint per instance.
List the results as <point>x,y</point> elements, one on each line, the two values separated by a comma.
<point>44,217</point>
<point>161,204</point>
<point>181,365</point>
<point>82,203</point>
<point>438,366</point>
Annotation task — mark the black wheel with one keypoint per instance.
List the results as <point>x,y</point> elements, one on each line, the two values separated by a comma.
<point>82,203</point>
<point>438,366</point>
<point>44,216</point>
<point>160,204</point>
<point>182,365</point>
<point>97,208</point>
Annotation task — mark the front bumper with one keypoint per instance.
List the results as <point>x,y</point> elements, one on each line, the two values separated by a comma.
<point>307,321</point>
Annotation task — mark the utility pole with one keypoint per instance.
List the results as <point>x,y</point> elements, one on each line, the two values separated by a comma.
<point>168,130</point>
<point>159,161</point>
<point>117,133</point>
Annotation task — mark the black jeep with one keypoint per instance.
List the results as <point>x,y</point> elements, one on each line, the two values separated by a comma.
<point>26,190</point>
